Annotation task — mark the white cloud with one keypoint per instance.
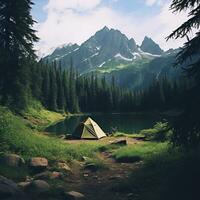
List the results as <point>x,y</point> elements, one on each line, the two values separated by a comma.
<point>163,24</point>
<point>79,5</point>
<point>150,2</point>
<point>75,21</point>
<point>157,2</point>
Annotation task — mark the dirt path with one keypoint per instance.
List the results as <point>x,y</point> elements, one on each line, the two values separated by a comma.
<point>98,185</point>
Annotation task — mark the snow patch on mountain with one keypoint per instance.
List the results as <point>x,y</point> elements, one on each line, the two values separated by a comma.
<point>122,57</point>
<point>101,65</point>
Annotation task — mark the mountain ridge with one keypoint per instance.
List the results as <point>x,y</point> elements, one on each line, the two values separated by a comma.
<point>105,45</point>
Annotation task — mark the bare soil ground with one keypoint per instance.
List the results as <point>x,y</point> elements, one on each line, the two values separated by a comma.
<point>99,185</point>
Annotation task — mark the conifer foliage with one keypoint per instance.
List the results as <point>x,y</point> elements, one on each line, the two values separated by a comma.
<point>187,128</point>
<point>67,91</point>
<point>16,51</point>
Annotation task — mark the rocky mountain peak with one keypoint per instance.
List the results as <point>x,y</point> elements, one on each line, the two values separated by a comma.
<point>148,45</point>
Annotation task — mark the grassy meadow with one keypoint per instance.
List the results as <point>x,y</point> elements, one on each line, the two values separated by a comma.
<point>162,172</point>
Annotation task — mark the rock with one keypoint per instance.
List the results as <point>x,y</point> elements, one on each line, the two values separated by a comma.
<point>9,189</point>
<point>119,142</point>
<point>63,166</point>
<point>43,175</point>
<point>62,137</point>
<point>38,163</point>
<point>29,179</point>
<point>23,185</point>
<point>56,175</point>
<point>73,195</point>
<point>12,160</point>
<point>37,188</point>
<point>48,175</point>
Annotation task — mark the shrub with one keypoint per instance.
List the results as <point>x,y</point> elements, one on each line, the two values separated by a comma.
<point>160,132</point>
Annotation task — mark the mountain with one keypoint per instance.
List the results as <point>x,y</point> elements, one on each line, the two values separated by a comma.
<point>110,53</point>
<point>105,47</point>
<point>148,45</point>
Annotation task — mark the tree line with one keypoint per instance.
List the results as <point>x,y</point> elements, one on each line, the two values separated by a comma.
<point>67,91</point>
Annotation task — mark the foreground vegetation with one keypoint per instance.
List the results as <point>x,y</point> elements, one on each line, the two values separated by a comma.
<point>17,137</point>
<point>161,171</point>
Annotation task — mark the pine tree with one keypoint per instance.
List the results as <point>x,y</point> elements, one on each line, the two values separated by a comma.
<point>53,90</point>
<point>187,127</point>
<point>16,47</point>
<point>60,95</point>
<point>45,86</point>
<point>191,48</point>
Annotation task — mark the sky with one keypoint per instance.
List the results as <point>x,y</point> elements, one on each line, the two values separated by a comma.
<point>74,21</point>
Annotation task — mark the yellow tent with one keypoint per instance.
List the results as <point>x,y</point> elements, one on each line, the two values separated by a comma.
<point>88,129</point>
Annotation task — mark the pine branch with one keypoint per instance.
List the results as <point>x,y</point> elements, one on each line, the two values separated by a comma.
<point>180,5</point>
<point>185,28</point>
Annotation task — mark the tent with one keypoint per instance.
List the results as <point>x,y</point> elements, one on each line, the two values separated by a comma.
<point>88,129</point>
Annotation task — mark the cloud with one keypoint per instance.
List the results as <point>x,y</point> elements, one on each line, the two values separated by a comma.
<point>75,21</point>
<point>157,2</point>
<point>163,24</point>
<point>79,5</point>
<point>150,2</point>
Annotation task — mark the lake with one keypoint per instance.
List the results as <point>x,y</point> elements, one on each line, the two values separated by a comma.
<point>128,123</point>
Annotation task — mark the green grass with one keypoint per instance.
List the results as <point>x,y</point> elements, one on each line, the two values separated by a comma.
<point>16,137</point>
<point>38,117</point>
<point>143,151</point>
<point>134,135</point>
<point>160,132</point>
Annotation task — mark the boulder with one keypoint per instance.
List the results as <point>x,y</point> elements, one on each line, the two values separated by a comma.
<point>9,189</point>
<point>38,163</point>
<point>73,195</point>
<point>56,175</point>
<point>12,160</point>
<point>122,142</point>
<point>23,185</point>
<point>63,166</point>
<point>48,175</point>
<point>37,188</point>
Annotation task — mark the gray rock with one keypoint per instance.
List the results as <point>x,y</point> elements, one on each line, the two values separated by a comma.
<point>42,176</point>
<point>63,166</point>
<point>9,189</point>
<point>37,188</point>
<point>38,163</point>
<point>56,175</point>
<point>73,195</point>
<point>48,175</point>
<point>23,185</point>
<point>12,160</point>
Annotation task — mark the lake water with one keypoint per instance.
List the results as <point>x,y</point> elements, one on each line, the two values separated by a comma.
<point>128,123</point>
